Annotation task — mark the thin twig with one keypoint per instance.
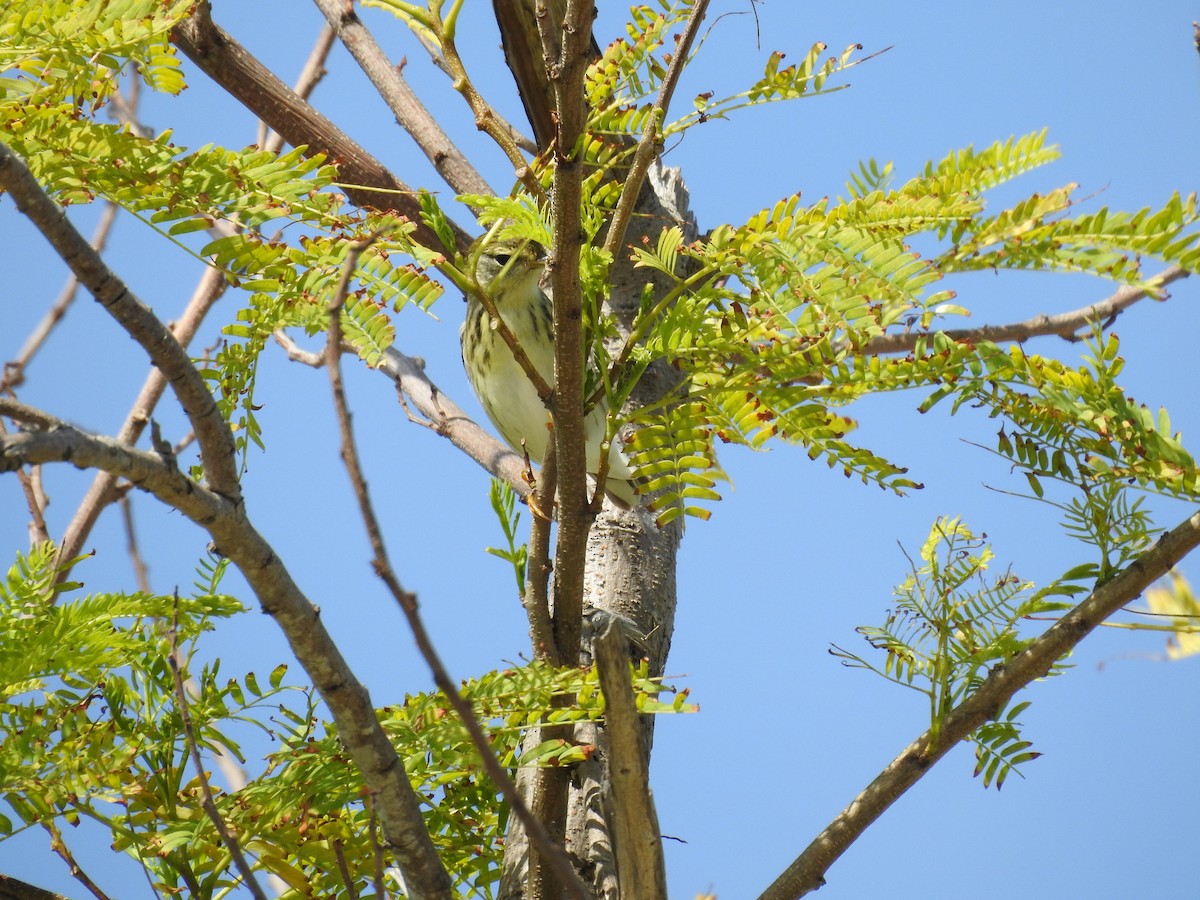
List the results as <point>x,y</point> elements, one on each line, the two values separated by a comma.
<point>1067,325</point>
<point>60,847</point>
<point>377,855</point>
<point>807,871</point>
<point>141,574</point>
<point>14,370</point>
<point>339,853</point>
<point>407,601</point>
<point>306,82</point>
<point>296,353</point>
<point>102,491</point>
<point>208,803</point>
<point>138,321</point>
<point>648,145</point>
<point>35,501</point>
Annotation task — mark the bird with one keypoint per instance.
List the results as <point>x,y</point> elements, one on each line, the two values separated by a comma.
<point>510,272</point>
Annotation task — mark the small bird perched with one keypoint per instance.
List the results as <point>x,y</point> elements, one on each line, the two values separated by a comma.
<point>509,273</point>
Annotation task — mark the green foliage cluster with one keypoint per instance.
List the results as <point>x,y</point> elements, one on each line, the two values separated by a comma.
<point>770,324</point>
<point>62,63</point>
<point>950,626</point>
<point>774,319</point>
<point>93,731</point>
<point>69,51</point>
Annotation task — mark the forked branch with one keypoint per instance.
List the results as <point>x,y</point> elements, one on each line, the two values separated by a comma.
<point>365,179</point>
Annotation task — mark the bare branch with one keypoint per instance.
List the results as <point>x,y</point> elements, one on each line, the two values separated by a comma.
<point>306,82</point>
<point>212,432</point>
<point>448,419</point>
<point>14,370</point>
<point>648,145</point>
<point>296,353</point>
<point>633,820</point>
<point>1066,325</point>
<point>15,889</point>
<point>141,575</point>
<point>407,601</point>
<point>280,597</point>
<point>60,847</point>
<point>409,111</point>
<point>35,501</point>
<point>101,492</point>
<point>807,872</point>
<point>366,180</point>
<point>30,415</point>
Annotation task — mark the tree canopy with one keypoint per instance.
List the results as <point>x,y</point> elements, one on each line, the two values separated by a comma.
<point>843,326</point>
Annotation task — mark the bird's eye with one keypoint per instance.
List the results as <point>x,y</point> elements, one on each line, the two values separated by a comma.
<point>502,258</point>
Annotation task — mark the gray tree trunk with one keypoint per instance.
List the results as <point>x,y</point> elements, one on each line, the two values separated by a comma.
<point>630,572</point>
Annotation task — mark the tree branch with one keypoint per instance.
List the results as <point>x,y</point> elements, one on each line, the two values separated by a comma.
<point>15,889</point>
<point>14,369</point>
<point>407,601</point>
<point>101,492</point>
<point>59,846</point>
<point>212,432</point>
<point>366,181</point>
<point>446,418</point>
<point>648,144</point>
<point>280,597</point>
<point>523,24</point>
<point>1066,325</point>
<point>633,820</point>
<point>569,437</point>
<point>311,73</point>
<point>550,788</point>
<point>410,112</point>
<point>807,871</point>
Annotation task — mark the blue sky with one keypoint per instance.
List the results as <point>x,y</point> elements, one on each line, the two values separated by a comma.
<point>796,556</point>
